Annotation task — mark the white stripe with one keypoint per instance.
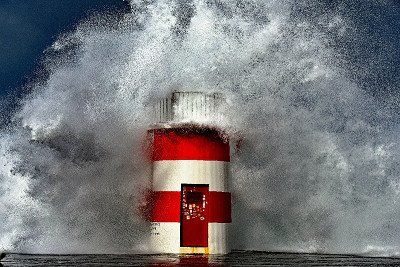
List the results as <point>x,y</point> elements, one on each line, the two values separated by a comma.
<point>165,237</point>
<point>218,238</point>
<point>168,175</point>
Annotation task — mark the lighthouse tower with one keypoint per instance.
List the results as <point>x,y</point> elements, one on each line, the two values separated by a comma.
<point>191,203</point>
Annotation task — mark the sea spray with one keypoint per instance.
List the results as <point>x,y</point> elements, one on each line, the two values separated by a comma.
<point>317,168</point>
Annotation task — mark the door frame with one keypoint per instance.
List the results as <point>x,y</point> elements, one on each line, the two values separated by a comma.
<point>181,209</point>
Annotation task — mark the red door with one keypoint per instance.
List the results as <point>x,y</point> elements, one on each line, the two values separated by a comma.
<point>194,216</point>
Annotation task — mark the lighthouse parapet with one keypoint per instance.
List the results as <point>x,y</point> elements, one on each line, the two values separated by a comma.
<point>191,202</point>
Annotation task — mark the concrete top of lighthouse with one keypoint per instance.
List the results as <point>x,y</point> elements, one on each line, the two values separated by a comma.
<point>189,107</point>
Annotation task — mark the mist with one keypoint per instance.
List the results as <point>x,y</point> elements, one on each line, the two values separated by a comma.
<point>317,167</point>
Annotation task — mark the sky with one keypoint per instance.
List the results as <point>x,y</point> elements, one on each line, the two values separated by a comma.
<point>28,27</point>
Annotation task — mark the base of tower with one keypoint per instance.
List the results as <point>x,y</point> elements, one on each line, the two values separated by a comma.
<point>165,238</point>
<point>194,250</point>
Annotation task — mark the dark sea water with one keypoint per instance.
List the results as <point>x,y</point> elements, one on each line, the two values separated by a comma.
<point>237,258</point>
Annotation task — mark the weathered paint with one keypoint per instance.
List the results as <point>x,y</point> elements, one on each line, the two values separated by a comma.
<point>195,159</point>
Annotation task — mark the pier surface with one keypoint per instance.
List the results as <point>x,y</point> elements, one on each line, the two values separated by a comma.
<point>237,258</point>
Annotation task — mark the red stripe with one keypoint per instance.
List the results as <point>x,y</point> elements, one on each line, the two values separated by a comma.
<point>189,144</point>
<point>166,206</point>
<point>219,209</point>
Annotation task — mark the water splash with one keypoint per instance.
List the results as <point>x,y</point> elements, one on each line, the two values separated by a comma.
<point>317,169</point>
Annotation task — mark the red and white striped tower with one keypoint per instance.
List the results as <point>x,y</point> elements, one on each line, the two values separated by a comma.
<point>191,203</point>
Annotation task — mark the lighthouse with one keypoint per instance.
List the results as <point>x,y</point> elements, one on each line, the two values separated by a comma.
<point>190,199</point>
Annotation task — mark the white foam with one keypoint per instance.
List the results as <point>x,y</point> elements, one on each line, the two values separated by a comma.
<point>317,168</point>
